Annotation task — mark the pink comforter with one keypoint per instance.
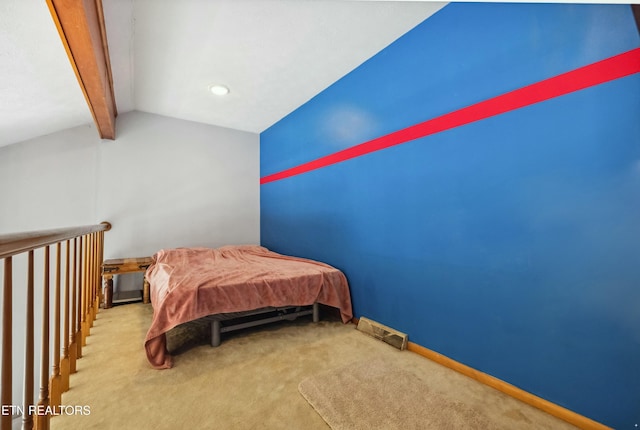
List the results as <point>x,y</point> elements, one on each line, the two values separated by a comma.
<point>190,283</point>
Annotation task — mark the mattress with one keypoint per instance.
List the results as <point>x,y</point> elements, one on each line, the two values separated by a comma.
<point>190,283</point>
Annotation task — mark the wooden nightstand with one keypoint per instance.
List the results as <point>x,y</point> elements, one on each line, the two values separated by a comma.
<point>121,266</point>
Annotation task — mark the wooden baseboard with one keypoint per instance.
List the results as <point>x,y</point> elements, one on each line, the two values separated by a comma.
<point>511,390</point>
<point>557,411</point>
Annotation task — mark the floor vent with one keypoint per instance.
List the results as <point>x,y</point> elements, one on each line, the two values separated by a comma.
<point>384,333</point>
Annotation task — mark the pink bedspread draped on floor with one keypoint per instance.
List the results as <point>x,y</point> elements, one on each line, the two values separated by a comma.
<point>191,283</point>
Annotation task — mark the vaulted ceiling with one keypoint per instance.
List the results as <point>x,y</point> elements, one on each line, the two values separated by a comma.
<point>273,55</point>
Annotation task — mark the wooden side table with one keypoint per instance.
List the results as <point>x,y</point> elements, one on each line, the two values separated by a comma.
<point>119,266</point>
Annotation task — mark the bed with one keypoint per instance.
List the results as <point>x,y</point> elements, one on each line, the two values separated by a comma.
<point>187,284</point>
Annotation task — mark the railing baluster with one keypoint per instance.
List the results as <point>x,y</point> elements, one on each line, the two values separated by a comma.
<point>96,277</point>
<point>93,278</point>
<point>87,289</point>
<point>99,266</point>
<point>27,389</point>
<point>64,360</point>
<point>7,342</point>
<point>42,419</point>
<point>82,298</point>
<point>54,385</point>
<point>92,251</point>
<point>90,285</point>
<point>85,292</point>
<point>73,348</point>
<point>80,315</point>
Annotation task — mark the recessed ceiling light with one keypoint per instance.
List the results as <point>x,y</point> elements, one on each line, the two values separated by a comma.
<point>219,90</point>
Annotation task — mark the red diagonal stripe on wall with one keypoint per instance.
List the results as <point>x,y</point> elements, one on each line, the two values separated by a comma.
<point>606,70</point>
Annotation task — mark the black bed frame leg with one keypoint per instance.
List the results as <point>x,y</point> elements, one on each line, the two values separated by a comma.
<point>215,333</point>
<point>316,312</point>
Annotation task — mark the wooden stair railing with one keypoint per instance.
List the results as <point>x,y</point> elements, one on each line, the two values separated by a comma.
<point>75,306</point>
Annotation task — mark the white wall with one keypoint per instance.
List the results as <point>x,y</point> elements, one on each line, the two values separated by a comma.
<point>49,182</point>
<point>162,183</point>
<point>168,183</point>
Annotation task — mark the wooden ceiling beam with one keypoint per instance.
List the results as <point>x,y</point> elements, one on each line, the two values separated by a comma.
<point>82,30</point>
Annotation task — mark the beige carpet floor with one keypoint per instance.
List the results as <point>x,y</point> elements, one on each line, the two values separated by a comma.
<point>249,382</point>
<point>377,394</point>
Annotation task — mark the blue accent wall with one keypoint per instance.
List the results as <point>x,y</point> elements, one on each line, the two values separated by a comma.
<point>511,244</point>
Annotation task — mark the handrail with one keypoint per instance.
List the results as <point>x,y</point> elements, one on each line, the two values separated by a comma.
<point>17,243</point>
<point>67,318</point>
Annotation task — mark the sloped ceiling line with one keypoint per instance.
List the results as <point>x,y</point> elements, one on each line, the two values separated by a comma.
<point>82,31</point>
